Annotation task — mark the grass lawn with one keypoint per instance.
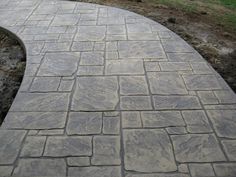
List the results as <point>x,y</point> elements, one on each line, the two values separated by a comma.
<point>222,12</point>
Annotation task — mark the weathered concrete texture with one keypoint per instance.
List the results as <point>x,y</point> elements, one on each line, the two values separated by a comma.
<point>109,93</point>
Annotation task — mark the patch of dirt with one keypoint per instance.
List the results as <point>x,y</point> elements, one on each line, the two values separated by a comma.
<point>215,42</point>
<point>12,66</point>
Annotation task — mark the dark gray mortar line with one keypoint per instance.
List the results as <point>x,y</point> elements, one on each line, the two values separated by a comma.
<point>122,152</point>
<point>172,149</point>
<point>15,163</point>
<point>212,127</point>
<point>149,88</point>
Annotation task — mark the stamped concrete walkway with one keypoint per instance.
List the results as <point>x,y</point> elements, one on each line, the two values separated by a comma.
<point>109,93</point>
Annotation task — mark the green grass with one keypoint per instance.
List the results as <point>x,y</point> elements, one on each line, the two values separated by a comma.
<point>229,3</point>
<point>222,11</point>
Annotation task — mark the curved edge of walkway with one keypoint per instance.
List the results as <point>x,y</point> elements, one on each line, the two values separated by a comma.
<point>132,106</point>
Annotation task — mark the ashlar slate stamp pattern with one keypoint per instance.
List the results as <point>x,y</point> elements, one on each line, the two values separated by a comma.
<point>109,93</point>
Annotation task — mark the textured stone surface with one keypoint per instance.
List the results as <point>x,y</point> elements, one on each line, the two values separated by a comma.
<point>131,119</point>
<point>35,120</point>
<point>229,147</point>
<point>133,85</point>
<point>204,170</point>
<point>10,145</point>
<point>140,49</point>
<point>106,150</point>
<point>60,146</point>
<point>162,119</point>
<point>59,64</point>
<point>90,33</point>
<point>111,125</point>
<point>148,151</point>
<point>40,167</point>
<point>197,148</point>
<point>225,170</point>
<point>78,161</point>
<point>33,146</point>
<point>135,103</point>
<point>176,102</point>
<point>166,83</point>
<point>41,102</point>
<point>201,82</point>
<point>98,93</point>
<point>111,171</point>
<point>123,67</point>
<point>92,58</point>
<point>196,121</point>
<point>83,123</point>
<point>224,122</point>
<point>109,93</point>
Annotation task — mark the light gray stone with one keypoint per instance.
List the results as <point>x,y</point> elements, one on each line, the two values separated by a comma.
<point>111,46</point>
<point>51,132</point>
<point>40,167</point>
<point>184,57</point>
<point>142,36</point>
<point>90,33</point>
<point>201,82</point>
<point>45,84</point>
<point>110,21</point>
<point>197,121</point>
<point>139,28</point>
<point>35,120</point>
<point>148,151</point>
<point>83,123</point>
<point>10,145</point>
<point>92,58</point>
<point>124,67</point>
<point>203,170</point>
<point>106,150</point>
<point>56,46</point>
<point>111,125</point>
<point>133,85</point>
<point>82,46</point>
<point>224,122</point>
<point>201,68</point>
<point>61,146</point>
<point>104,171</point>
<point>197,148</point>
<point>140,49</point>
<point>159,175</point>
<point>116,29</point>
<point>66,85</point>
<point>152,66</point>
<point>6,170</point>
<point>177,46</point>
<point>229,147</point>
<point>90,70</point>
<point>99,46</point>
<point>135,103</point>
<point>226,96</point>
<point>207,97</point>
<point>166,83</point>
<point>175,66</point>
<point>97,93</point>
<point>78,161</point>
<point>225,169</point>
<point>41,102</point>
<point>131,119</point>
<point>176,102</point>
<point>162,118</point>
<point>112,55</point>
<point>65,20</point>
<point>59,64</point>
<point>33,146</point>
<point>176,130</point>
